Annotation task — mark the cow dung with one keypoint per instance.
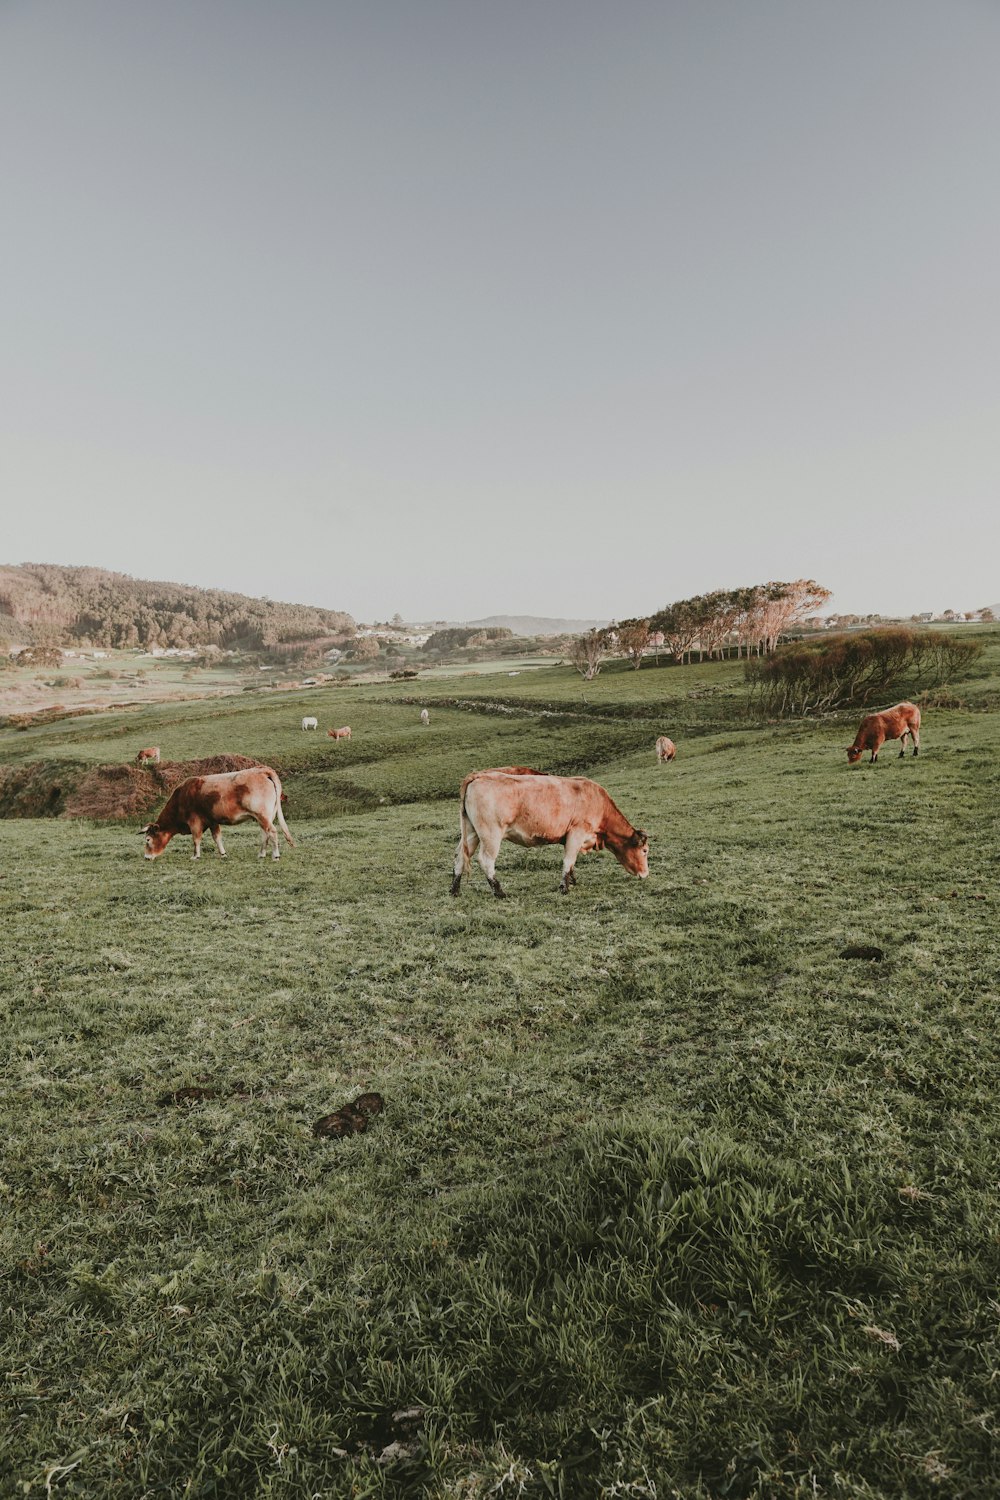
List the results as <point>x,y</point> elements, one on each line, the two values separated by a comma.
<point>370,1104</point>
<point>863,950</point>
<point>186,1096</point>
<point>350,1119</point>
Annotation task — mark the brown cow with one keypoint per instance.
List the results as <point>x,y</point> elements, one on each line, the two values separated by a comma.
<point>151,752</point>
<point>340,734</point>
<point>530,809</point>
<point>209,801</point>
<point>894,724</point>
<point>665,749</point>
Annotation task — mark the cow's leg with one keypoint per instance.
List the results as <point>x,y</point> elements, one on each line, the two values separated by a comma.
<point>269,840</point>
<point>902,743</point>
<point>488,862</point>
<point>216,833</point>
<point>197,830</point>
<point>574,843</point>
<point>467,846</point>
<point>915,737</point>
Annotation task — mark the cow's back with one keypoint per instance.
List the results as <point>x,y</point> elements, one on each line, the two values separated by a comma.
<point>540,805</point>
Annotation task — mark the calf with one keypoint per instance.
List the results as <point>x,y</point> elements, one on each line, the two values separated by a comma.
<point>209,801</point>
<point>310,723</point>
<point>340,734</point>
<point>665,749</point>
<point>894,724</point>
<point>518,804</point>
<point>151,753</point>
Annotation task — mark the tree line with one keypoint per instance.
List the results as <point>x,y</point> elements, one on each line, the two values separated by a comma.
<point>748,621</point>
<point>61,606</point>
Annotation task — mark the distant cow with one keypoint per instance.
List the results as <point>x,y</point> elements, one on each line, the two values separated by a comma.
<point>894,724</point>
<point>518,804</point>
<point>665,749</point>
<point>425,717</point>
<point>209,801</point>
<point>340,734</point>
<point>151,753</point>
<point>310,723</point>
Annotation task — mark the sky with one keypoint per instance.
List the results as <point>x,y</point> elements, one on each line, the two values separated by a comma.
<point>454,308</point>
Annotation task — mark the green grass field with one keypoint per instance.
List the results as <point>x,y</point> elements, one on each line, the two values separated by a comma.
<point>669,1199</point>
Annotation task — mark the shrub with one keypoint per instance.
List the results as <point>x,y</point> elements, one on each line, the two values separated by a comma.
<point>856,669</point>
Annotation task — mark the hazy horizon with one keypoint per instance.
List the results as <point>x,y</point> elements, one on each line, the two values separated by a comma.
<point>549,309</point>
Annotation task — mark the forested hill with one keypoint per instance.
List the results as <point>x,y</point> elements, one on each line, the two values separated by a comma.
<point>57,606</point>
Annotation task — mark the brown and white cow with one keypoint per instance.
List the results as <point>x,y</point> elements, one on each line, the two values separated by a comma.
<point>665,749</point>
<point>531,809</point>
<point>210,801</point>
<point>340,734</point>
<point>893,724</point>
<point>150,753</point>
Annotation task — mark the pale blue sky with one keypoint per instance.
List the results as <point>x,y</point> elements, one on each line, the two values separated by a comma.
<point>545,305</point>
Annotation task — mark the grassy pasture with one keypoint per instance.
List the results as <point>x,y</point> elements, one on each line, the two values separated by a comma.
<point>669,1198</point>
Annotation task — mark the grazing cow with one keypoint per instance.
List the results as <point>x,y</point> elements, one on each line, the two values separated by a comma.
<point>528,808</point>
<point>665,749</point>
<point>310,723</point>
<point>209,801</point>
<point>894,724</point>
<point>425,717</point>
<point>340,734</point>
<point>151,753</point>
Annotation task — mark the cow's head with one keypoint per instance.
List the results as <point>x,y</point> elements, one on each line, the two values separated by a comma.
<point>633,854</point>
<point>854,754</point>
<point>154,840</point>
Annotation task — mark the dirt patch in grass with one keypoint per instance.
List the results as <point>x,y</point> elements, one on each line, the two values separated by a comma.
<point>37,790</point>
<point>123,791</point>
<point>51,789</point>
<point>44,716</point>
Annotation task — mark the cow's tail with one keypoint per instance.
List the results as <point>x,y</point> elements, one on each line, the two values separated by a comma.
<point>467,831</point>
<point>275,781</point>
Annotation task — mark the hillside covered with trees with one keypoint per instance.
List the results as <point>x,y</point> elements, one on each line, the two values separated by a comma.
<point>51,605</point>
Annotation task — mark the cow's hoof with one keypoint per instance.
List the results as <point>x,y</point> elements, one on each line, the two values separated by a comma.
<point>456,886</point>
<point>499,892</point>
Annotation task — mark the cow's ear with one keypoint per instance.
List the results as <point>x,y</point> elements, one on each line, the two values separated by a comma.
<point>641,838</point>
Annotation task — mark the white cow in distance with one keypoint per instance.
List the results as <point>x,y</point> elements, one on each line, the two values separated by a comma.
<point>425,717</point>
<point>310,723</point>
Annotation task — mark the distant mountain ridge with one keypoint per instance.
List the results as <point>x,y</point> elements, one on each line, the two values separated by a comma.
<point>539,624</point>
<point>48,604</point>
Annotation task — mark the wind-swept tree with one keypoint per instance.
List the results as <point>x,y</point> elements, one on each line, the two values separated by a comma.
<point>587,653</point>
<point>679,626</point>
<point>633,640</point>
